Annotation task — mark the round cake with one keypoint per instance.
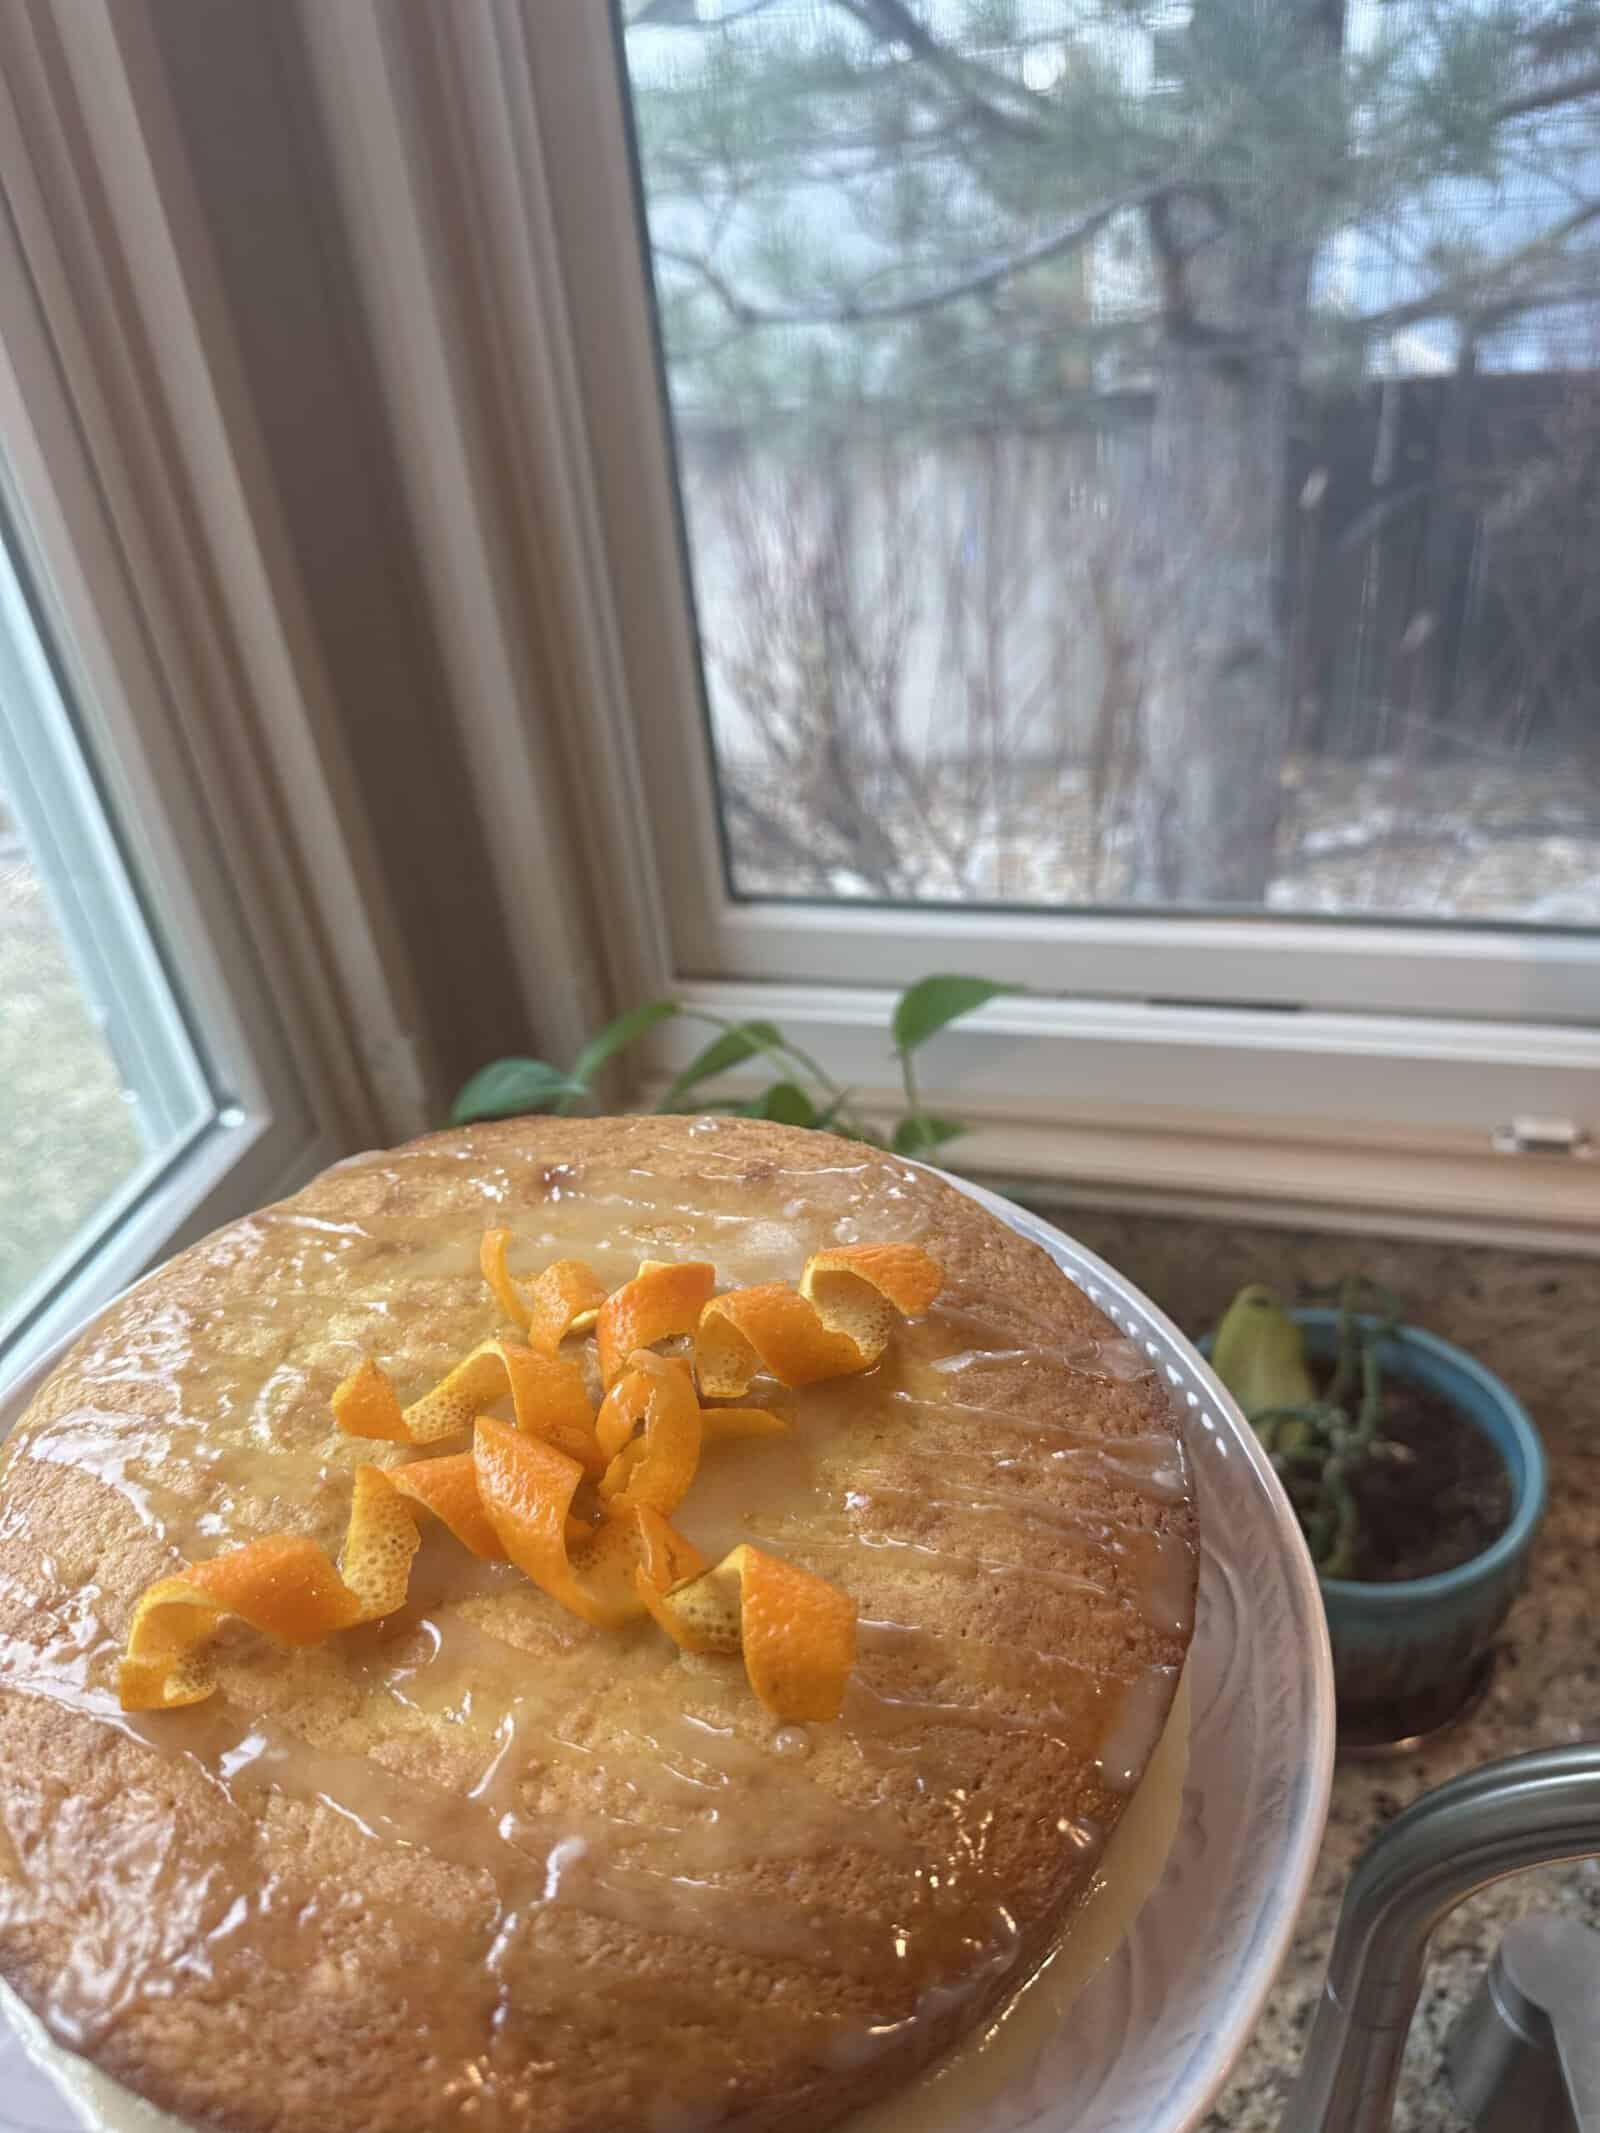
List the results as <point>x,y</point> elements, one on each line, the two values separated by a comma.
<point>481,1863</point>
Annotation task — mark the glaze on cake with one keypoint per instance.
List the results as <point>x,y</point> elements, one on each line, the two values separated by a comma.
<point>481,1866</point>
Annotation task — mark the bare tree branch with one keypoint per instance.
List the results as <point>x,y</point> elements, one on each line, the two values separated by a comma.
<point>682,15</point>
<point>982,93</point>
<point>841,158</point>
<point>1066,239</point>
<point>1483,298</point>
<point>1553,94</point>
<point>975,86</point>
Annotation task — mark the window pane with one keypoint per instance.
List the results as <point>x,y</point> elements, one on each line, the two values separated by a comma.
<point>99,1085</point>
<point>1139,454</point>
<point>69,1137</point>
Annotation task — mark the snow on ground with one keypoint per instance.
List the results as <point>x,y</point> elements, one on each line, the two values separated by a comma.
<point>1379,838</point>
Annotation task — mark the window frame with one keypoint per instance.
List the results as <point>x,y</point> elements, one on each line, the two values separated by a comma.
<point>50,785</point>
<point>259,1137</point>
<point>1389,965</point>
<point>147,544</point>
<point>1338,1070</point>
<point>103,929</point>
<point>1287,1029</point>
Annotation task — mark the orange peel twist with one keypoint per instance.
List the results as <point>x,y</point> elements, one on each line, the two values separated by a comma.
<point>511,1495</point>
<point>565,1298</point>
<point>664,1299</point>
<point>285,1586</point>
<point>549,1394</point>
<point>836,1324</point>
<point>796,1631</point>
<point>527,1488</point>
<point>656,1397</point>
<point>449,1489</point>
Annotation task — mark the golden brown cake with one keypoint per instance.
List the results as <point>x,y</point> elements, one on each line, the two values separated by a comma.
<point>479,1865</point>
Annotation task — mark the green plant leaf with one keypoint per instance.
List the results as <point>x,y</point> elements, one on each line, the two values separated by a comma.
<point>506,1088</point>
<point>926,1007</point>
<point>618,1035</point>
<point>785,1102</point>
<point>919,1133</point>
<point>730,1049</point>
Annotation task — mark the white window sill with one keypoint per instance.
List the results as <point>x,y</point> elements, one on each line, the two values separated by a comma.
<point>1330,1121</point>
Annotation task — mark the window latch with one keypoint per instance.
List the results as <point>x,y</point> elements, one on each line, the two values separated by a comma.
<point>1543,1136</point>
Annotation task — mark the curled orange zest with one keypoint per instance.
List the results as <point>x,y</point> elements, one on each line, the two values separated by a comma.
<point>492,1265</point>
<point>837,1323</point>
<point>527,1489</point>
<point>563,1299</point>
<point>668,1556</point>
<point>287,1587</point>
<point>284,1586</point>
<point>512,1494</point>
<point>661,1300</point>
<point>796,1631</point>
<point>549,1395</point>
<point>657,1398</point>
<point>449,1489</point>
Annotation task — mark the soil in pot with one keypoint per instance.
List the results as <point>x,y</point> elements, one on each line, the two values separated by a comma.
<point>1446,1501</point>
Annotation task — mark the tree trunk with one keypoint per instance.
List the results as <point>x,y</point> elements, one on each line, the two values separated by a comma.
<point>1217,709</point>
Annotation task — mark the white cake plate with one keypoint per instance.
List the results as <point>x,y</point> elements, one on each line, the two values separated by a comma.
<point>1151,2038</point>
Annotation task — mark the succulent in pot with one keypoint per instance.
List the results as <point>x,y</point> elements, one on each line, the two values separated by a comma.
<point>1418,1480</point>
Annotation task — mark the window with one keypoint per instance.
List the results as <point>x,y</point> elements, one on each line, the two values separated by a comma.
<point>1064,536</point>
<point>1067,538</point>
<point>143,1097</point>
<point>101,1091</point>
<point>1099,496</point>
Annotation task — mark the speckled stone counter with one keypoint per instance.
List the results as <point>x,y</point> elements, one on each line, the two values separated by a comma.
<point>1535,1320</point>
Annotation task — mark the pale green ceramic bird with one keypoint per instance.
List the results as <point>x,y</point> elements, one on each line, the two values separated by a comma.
<point>1260,1354</point>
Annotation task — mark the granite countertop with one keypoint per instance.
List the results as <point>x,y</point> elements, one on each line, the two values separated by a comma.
<point>1532,1319</point>
<point>1546,1689</point>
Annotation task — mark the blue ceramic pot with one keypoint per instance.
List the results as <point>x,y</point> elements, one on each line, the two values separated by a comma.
<point>1405,1655</point>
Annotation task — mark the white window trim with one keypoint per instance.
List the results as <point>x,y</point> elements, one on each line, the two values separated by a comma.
<point>171,602</point>
<point>1017,1072</point>
<point>436,157</point>
<point>1304,1078</point>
